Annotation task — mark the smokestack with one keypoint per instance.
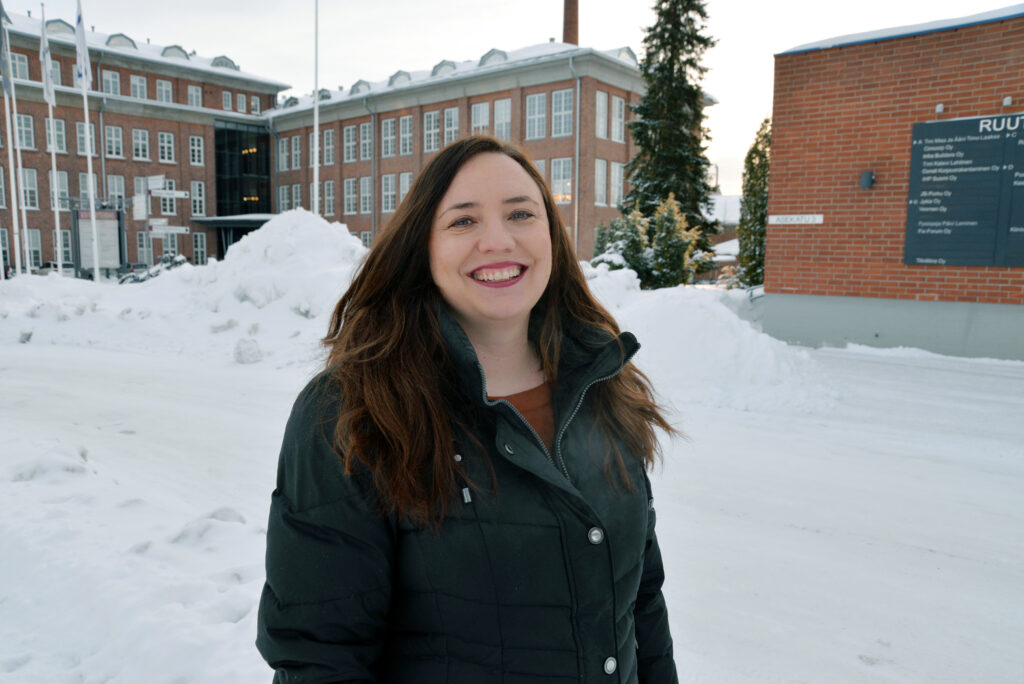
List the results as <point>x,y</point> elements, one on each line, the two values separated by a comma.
<point>571,23</point>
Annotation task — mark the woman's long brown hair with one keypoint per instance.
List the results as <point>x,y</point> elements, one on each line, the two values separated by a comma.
<point>399,397</point>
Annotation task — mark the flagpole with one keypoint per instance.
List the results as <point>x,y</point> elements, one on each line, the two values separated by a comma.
<point>17,150</point>
<point>85,80</point>
<point>44,62</point>
<point>10,154</point>
<point>315,151</point>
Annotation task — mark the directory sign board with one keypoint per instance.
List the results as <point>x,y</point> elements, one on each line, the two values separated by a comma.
<point>966,200</point>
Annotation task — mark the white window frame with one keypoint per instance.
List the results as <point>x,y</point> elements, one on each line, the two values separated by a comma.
<point>225,100</point>
<point>139,86</point>
<point>197,194</point>
<point>140,139</point>
<point>26,132</point>
<point>387,193</point>
<point>55,72</point>
<point>365,141</point>
<point>320,150</point>
<point>536,116</point>
<point>196,150</point>
<point>387,138</point>
<point>113,142</point>
<point>199,249</point>
<point>61,134</point>
<point>195,96</point>
<point>283,198</point>
<point>601,115</point>
<point>65,246</point>
<point>431,131</point>
<point>349,143</point>
<point>479,118</point>
<point>35,248</point>
<point>618,119</point>
<point>169,205</point>
<point>170,245</point>
<point>144,247</point>
<point>351,197</point>
<point>83,143</point>
<point>164,91</point>
<point>296,152</point>
<point>282,153</point>
<point>615,186</point>
<point>240,102</point>
<point>115,186</point>
<point>600,182</point>
<point>328,198</point>
<point>63,191</point>
<point>30,188</point>
<point>503,119</point>
<point>254,104</point>
<point>19,66</point>
<point>328,147</point>
<point>404,183</point>
<point>541,168</point>
<point>111,82</point>
<point>296,195</point>
<point>405,136</point>
<point>366,195</point>
<point>561,113</point>
<point>451,125</point>
<point>165,148</point>
<point>83,185</point>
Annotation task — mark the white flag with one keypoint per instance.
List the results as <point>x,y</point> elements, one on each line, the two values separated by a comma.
<point>83,70</point>
<point>44,61</point>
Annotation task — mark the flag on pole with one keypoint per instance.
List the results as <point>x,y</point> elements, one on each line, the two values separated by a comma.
<point>5,75</point>
<point>44,61</point>
<point>83,70</point>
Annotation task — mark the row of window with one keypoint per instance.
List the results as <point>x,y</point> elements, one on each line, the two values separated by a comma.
<point>397,134</point>
<point>144,244</point>
<point>138,86</point>
<point>115,190</point>
<point>113,141</point>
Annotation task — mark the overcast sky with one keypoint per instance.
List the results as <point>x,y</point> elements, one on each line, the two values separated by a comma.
<point>371,39</point>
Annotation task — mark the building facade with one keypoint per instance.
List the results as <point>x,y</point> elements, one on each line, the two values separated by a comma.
<point>154,111</point>
<point>896,200</point>
<point>565,106</point>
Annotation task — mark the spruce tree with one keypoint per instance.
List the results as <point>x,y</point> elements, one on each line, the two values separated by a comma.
<point>754,208</point>
<point>671,242</point>
<point>669,122</point>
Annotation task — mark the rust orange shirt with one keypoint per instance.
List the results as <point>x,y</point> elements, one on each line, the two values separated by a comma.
<point>535,405</point>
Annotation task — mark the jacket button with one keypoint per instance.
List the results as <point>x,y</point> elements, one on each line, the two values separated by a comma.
<point>596,535</point>
<point>609,666</point>
<point>508,449</point>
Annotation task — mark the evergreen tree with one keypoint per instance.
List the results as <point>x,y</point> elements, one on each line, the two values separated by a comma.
<point>669,125</point>
<point>754,208</point>
<point>624,245</point>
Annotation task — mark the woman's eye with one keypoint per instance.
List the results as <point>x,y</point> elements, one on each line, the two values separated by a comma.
<point>463,222</point>
<point>521,214</point>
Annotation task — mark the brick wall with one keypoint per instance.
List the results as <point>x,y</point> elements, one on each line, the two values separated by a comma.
<point>849,109</point>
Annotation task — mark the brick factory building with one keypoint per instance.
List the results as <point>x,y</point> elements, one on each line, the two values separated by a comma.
<point>896,201</point>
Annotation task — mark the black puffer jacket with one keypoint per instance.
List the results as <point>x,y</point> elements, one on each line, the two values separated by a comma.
<point>554,578</point>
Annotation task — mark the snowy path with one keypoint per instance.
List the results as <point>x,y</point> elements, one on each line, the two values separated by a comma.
<point>878,537</point>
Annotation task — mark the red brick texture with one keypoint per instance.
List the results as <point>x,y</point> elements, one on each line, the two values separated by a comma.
<point>845,110</point>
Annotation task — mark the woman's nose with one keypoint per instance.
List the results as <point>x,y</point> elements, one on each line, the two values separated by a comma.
<point>496,236</point>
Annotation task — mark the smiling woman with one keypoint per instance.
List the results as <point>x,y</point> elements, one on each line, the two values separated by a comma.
<point>462,494</point>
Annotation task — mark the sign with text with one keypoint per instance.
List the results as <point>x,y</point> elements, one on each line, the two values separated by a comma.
<point>796,219</point>
<point>107,233</point>
<point>966,200</point>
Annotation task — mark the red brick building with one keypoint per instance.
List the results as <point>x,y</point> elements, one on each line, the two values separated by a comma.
<point>862,244</point>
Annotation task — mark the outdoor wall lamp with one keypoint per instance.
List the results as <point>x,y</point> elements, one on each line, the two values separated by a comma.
<point>939,108</point>
<point>867,180</point>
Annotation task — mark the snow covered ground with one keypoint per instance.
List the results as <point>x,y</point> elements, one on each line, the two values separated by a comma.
<point>836,515</point>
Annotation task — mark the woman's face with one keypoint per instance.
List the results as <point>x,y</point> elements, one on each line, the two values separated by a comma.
<point>490,243</point>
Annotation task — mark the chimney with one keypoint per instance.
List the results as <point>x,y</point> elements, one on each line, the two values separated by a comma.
<point>571,23</point>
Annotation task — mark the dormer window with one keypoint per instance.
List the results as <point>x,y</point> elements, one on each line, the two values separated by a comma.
<point>494,57</point>
<point>398,78</point>
<point>120,40</point>
<point>360,86</point>
<point>175,51</point>
<point>57,27</point>
<point>225,62</point>
<point>442,68</point>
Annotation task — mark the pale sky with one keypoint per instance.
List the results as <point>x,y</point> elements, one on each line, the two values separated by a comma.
<point>371,39</point>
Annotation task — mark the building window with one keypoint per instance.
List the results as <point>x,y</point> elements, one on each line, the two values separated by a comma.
<point>405,136</point>
<point>296,152</point>
<point>328,152</point>
<point>451,124</point>
<point>601,115</point>
<point>29,189</point>
<point>615,185</point>
<point>226,100</point>
<point>618,119</point>
<point>254,104</point>
<point>58,131</point>
<point>479,118</point>
<point>349,151</point>
<point>61,187</point>
<point>297,196</point>
<point>195,150</point>
<point>365,195</point>
<point>19,64</point>
<point>387,138</point>
<point>140,144</point>
<point>83,186</point>
<point>240,102</point>
<point>503,119</point>
<point>282,198</point>
<point>351,199</point>
<point>35,248</point>
<point>539,163</point>
<point>65,246</point>
<point>431,131</point>
<point>55,72</point>
<point>199,249</point>
<point>329,198</point>
<point>164,92</point>
<point>313,199</point>
<point>404,183</point>
<point>365,141</point>
<point>170,245</point>
<point>165,147</point>
<point>600,182</point>
<point>4,248</point>
<point>536,112</point>
<point>387,193</point>
<point>138,86</point>
<point>114,140</point>
<point>111,82</point>
<point>561,113</point>
<point>144,244</point>
<point>115,188</point>
<point>319,151</point>
<point>197,194</point>
<point>169,205</point>
<point>84,142</point>
<point>26,132</point>
<point>366,237</point>
<point>195,96</point>
<point>282,154</point>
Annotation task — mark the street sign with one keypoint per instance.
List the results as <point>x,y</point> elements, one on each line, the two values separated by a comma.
<point>140,207</point>
<point>155,221</point>
<point>158,230</point>
<point>155,182</point>
<point>170,194</point>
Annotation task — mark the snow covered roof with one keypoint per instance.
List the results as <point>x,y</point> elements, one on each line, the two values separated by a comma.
<point>60,32</point>
<point>912,30</point>
<point>493,61</point>
<point>725,209</point>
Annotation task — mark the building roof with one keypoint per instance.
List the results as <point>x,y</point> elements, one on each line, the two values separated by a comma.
<point>493,61</point>
<point>60,32</point>
<point>911,30</point>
